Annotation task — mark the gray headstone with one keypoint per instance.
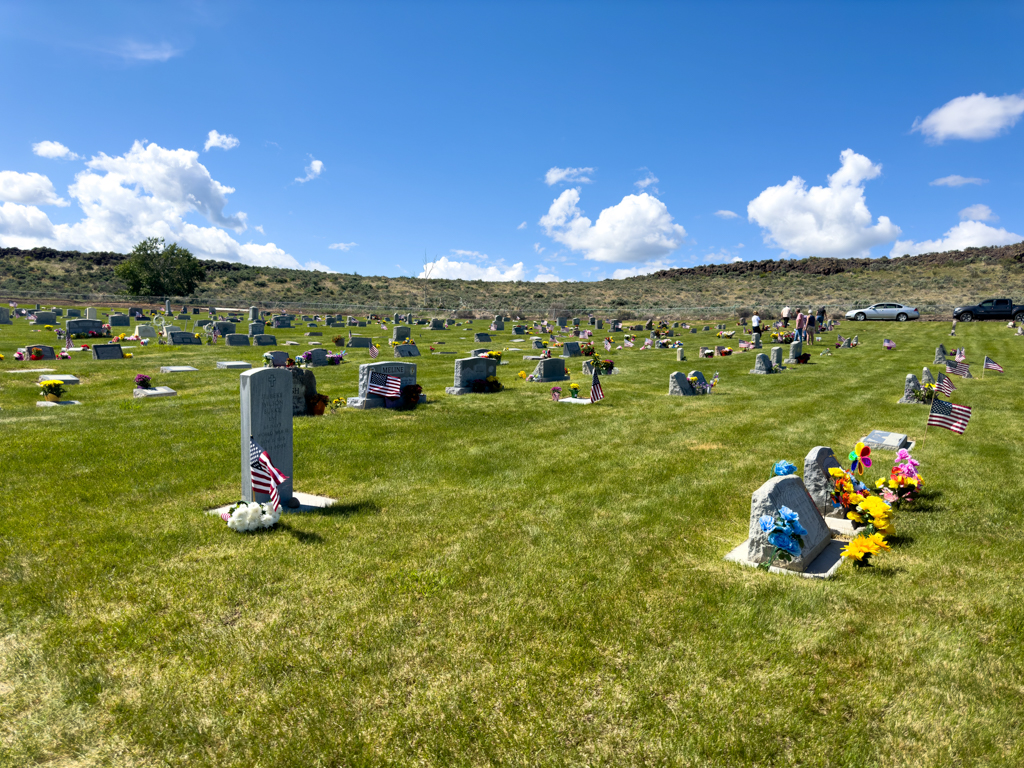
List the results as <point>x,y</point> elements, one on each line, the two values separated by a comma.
<point>482,338</point>
<point>698,376</point>
<point>404,371</point>
<point>400,333</point>
<point>237,340</point>
<point>303,389</point>
<point>91,313</point>
<point>787,491</point>
<point>5,316</point>
<point>755,339</point>
<point>279,321</point>
<point>145,331</point>
<point>940,355</point>
<point>762,364</point>
<point>550,369</point>
<point>571,349</point>
<point>679,385</point>
<point>538,344</point>
<point>318,357</point>
<point>84,326</point>
<point>264,340</point>
<point>436,324</point>
<point>845,344</point>
<point>407,350</point>
<point>818,481</point>
<point>46,351</point>
<point>47,318</point>
<point>600,324</point>
<point>256,328</point>
<point>313,333</point>
<point>73,313</point>
<point>224,328</point>
<point>795,350</point>
<point>679,354</point>
<point>909,388</point>
<point>117,320</point>
<point>886,441</point>
<point>167,306</point>
<point>107,352</point>
<point>359,341</point>
<point>470,369</point>
<point>776,357</point>
<point>254,314</point>
<point>926,376</point>
<point>706,328</point>
<point>498,325</point>
<point>267,419</point>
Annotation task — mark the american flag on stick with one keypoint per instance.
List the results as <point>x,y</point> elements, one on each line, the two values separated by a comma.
<point>596,392</point>
<point>627,342</point>
<point>960,369</point>
<point>607,345</point>
<point>384,385</point>
<point>889,344</point>
<point>949,416</point>
<point>265,477</point>
<point>373,350</point>
<point>67,340</point>
<point>992,365</point>
<point>945,385</point>
<point>961,355</point>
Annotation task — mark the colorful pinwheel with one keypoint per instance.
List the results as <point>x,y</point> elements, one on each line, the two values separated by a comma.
<point>860,458</point>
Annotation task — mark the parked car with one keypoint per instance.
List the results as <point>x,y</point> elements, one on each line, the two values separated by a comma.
<point>990,309</point>
<point>884,311</point>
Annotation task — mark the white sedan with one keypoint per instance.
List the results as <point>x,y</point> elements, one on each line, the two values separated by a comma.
<point>885,311</point>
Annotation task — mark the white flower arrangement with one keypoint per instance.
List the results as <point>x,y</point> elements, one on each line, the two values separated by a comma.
<point>244,517</point>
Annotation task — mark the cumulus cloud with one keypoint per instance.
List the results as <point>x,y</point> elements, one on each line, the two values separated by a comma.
<point>29,189</point>
<point>723,214</point>
<point>966,234</point>
<point>318,266</point>
<point>132,50</point>
<point>314,169</point>
<point>445,268</point>
<point>647,181</point>
<point>978,212</point>
<point>544,276</point>
<point>956,181</point>
<point>823,221</point>
<point>567,176</point>
<point>259,228</point>
<point>522,226</point>
<point>342,246</point>
<point>638,229</point>
<point>643,269</point>
<point>976,117</point>
<point>53,150</point>
<point>147,192</point>
<point>224,141</point>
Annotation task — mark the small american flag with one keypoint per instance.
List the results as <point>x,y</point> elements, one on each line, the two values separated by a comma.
<point>32,317</point>
<point>961,355</point>
<point>384,385</point>
<point>264,475</point>
<point>889,344</point>
<point>960,369</point>
<point>627,343</point>
<point>552,339</point>
<point>607,345</point>
<point>945,385</point>
<point>839,338</point>
<point>992,365</point>
<point>373,350</point>
<point>67,342</point>
<point>596,393</point>
<point>214,334</point>
<point>949,416</point>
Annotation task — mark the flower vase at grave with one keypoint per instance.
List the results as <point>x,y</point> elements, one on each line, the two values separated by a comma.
<point>52,398</point>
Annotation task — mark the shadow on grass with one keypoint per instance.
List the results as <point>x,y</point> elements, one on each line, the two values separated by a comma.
<point>348,510</point>
<point>927,502</point>
<point>303,537</point>
<point>900,541</point>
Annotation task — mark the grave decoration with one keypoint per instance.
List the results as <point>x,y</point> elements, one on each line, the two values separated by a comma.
<point>492,354</point>
<point>250,516</point>
<point>785,535</point>
<point>904,483</point>
<point>53,390</point>
<point>783,337</point>
<point>601,366</point>
<point>783,468</point>
<point>556,392</point>
<point>142,381</point>
<point>587,350</point>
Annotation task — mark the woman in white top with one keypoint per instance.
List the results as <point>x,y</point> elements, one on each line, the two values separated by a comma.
<point>785,317</point>
<point>755,323</point>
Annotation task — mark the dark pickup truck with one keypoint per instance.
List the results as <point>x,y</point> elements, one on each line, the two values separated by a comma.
<point>990,309</point>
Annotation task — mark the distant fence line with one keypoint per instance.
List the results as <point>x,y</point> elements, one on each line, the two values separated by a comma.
<point>235,302</point>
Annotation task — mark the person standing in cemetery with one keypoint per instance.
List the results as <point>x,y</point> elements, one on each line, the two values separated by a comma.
<point>755,323</point>
<point>785,316</point>
<point>809,334</point>
<point>801,323</point>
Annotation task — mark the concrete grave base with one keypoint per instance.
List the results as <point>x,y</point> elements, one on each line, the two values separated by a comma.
<point>240,365</point>
<point>824,566</point>
<point>366,403</point>
<point>458,391</point>
<point>154,392</point>
<point>577,400</point>
<point>48,404</point>
<point>841,525</point>
<point>67,380</point>
<point>34,370</point>
<point>307,503</point>
<point>176,368</point>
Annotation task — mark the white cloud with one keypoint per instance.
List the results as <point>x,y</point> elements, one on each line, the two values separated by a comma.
<point>259,228</point>
<point>978,212</point>
<point>823,221</point>
<point>727,214</point>
<point>721,256</point>
<point>147,192</point>
<point>956,181</point>
<point>314,169</point>
<point>643,269</point>
<point>29,189</point>
<point>638,229</point>
<point>538,248</point>
<point>544,276</point>
<point>444,268</point>
<point>53,150</point>
<point>522,226</point>
<point>135,51</point>
<point>567,176</point>
<point>224,141</point>
<point>342,246</point>
<point>318,266</point>
<point>966,234</point>
<point>647,181</point>
<point>976,117</point>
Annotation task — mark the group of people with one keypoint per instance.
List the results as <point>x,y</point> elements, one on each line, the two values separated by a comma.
<point>805,324</point>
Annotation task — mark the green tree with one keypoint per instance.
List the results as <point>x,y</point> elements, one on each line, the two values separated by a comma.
<point>155,269</point>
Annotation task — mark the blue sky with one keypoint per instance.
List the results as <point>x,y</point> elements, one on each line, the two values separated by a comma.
<point>564,140</point>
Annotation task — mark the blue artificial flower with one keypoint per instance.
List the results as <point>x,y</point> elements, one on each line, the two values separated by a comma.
<point>792,522</point>
<point>785,542</point>
<point>784,468</point>
<point>767,523</point>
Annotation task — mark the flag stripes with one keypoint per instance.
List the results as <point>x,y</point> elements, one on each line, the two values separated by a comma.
<point>949,416</point>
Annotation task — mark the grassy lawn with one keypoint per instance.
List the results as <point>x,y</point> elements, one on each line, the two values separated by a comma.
<point>505,580</point>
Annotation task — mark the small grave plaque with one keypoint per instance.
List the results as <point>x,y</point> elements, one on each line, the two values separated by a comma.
<point>154,392</point>
<point>107,352</point>
<point>886,441</point>
<point>240,365</point>
<point>175,368</point>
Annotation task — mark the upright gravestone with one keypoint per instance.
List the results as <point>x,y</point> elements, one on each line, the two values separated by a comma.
<point>845,344</point>
<point>436,324</point>
<point>318,357</point>
<point>481,338</point>
<point>45,318</point>
<point>571,349</point>
<point>256,328</point>
<point>777,357</point>
<point>264,340</point>
<point>223,327</point>
<point>498,325</point>
<point>926,376</point>
<point>407,350</point>
<point>768,500</point>
<point>183,338</point>
<point>795,350</point>
<point>303,390</point>
<point>145,331</point>
<point>5,316</point>
<point>91,313</point>
<point>359,341</point>
<point>84,325</point>
<point>600,324</point>
<point>167,307</point>
<point>254,314</point>
<point>46,352</point>
<point>538,344</point>
<point>280,321</point>
<point>762,364</point>
<point>910,388</point>
<point>236,340</point>
<point>405,372</point>
<point>118,320</point>
<point>819,482</point>
<point>940,355</point>
<point>399,333</point>
<point>73,313</point>
<point>550,369</point>
<point>266,398</point>
<point>679,385</point>
<point>470,369</point>
<point>680,356</point>
<point>107,352</point>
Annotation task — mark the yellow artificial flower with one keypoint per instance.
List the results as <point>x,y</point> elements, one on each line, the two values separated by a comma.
<point>879,541</point>
<point>522,374</point>
<point>880,482</point>
<point>874,506</point>
<point>854,550</point>
<point>856,498</point>
<point>855,517</point>
<point>837,472</point>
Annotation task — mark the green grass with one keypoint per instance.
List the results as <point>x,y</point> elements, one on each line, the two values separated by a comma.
<point>505,580</point>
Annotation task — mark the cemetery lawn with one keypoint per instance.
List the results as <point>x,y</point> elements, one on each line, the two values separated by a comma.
<point>505,580</point>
